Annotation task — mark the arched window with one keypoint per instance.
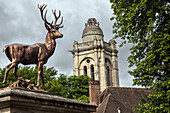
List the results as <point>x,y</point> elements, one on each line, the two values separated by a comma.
<point>85,70</point>
<point>92,71</point>
<point>108,76</point>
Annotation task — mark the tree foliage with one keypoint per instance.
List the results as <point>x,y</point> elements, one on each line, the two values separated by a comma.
<point>74,87</point>
<point>146,24</point>
<point>79,87</point>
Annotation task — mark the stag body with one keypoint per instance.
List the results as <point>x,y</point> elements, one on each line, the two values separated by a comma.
<point>34,54</point>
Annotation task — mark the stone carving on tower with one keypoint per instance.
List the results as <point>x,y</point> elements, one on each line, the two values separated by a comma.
<point>96,58</point>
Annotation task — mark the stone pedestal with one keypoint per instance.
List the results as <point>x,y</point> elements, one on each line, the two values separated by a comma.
<point>18,100</point>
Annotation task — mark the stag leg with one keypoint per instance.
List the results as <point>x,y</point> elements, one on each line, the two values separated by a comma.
<point>42,77</point>
<point>40,74</point>
<point>8,68</point>
<point>6,74</point>
<point>15,72</point>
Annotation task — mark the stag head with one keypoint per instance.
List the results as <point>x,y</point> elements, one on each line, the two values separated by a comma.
<point>52,28</point>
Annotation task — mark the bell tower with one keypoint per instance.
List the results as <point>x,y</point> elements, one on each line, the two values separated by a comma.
<point>96,58</point>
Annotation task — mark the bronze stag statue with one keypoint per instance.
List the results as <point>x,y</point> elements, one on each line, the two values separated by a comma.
<point>34,54</point>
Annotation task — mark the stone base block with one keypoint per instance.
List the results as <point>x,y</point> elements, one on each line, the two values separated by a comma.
<point>18,100</point>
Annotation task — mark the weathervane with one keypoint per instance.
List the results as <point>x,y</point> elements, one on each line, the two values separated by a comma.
<point>37,53</point>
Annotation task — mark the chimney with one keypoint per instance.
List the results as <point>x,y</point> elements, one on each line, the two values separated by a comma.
<point>94,92</point>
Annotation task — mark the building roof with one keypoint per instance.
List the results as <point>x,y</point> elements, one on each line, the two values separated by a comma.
<point>125,99</point>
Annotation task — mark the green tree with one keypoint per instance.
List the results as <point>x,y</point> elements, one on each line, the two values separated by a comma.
<point>146,24</point>
<point>74,87</point>
<point>79,88</point>
<point>59,86</point>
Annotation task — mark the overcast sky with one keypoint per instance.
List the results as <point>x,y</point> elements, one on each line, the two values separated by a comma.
<point>20,22</point>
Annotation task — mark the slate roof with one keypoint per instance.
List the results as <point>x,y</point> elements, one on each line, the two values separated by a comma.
<point>126,99</point>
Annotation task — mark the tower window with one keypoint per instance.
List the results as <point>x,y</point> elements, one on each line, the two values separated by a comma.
<point>88,61</point>
<point>92,71</point>
<point>108,76</point>
<point>85,70</point>
<point>105,60</point>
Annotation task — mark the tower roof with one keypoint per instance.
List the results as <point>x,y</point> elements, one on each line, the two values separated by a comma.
<point>92,28</point>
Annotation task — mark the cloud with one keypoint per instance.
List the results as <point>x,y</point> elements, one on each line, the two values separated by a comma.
<point>21,22</point>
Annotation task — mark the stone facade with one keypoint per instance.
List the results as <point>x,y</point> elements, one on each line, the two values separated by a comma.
<point>95,57</point>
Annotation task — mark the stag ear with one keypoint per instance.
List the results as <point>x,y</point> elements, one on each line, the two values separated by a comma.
<point>46,26</point>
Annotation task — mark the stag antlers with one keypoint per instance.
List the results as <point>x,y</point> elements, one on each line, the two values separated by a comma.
<point>47,24</point>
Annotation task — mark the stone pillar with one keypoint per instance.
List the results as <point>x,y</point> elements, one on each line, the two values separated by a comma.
<point>115,72</point>
<point>102,70</point>
<point>96,65</point>
<point>76,59</point>
<point>94,92</point>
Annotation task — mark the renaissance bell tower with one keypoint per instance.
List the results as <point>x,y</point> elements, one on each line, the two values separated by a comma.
<point>96,58</point>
